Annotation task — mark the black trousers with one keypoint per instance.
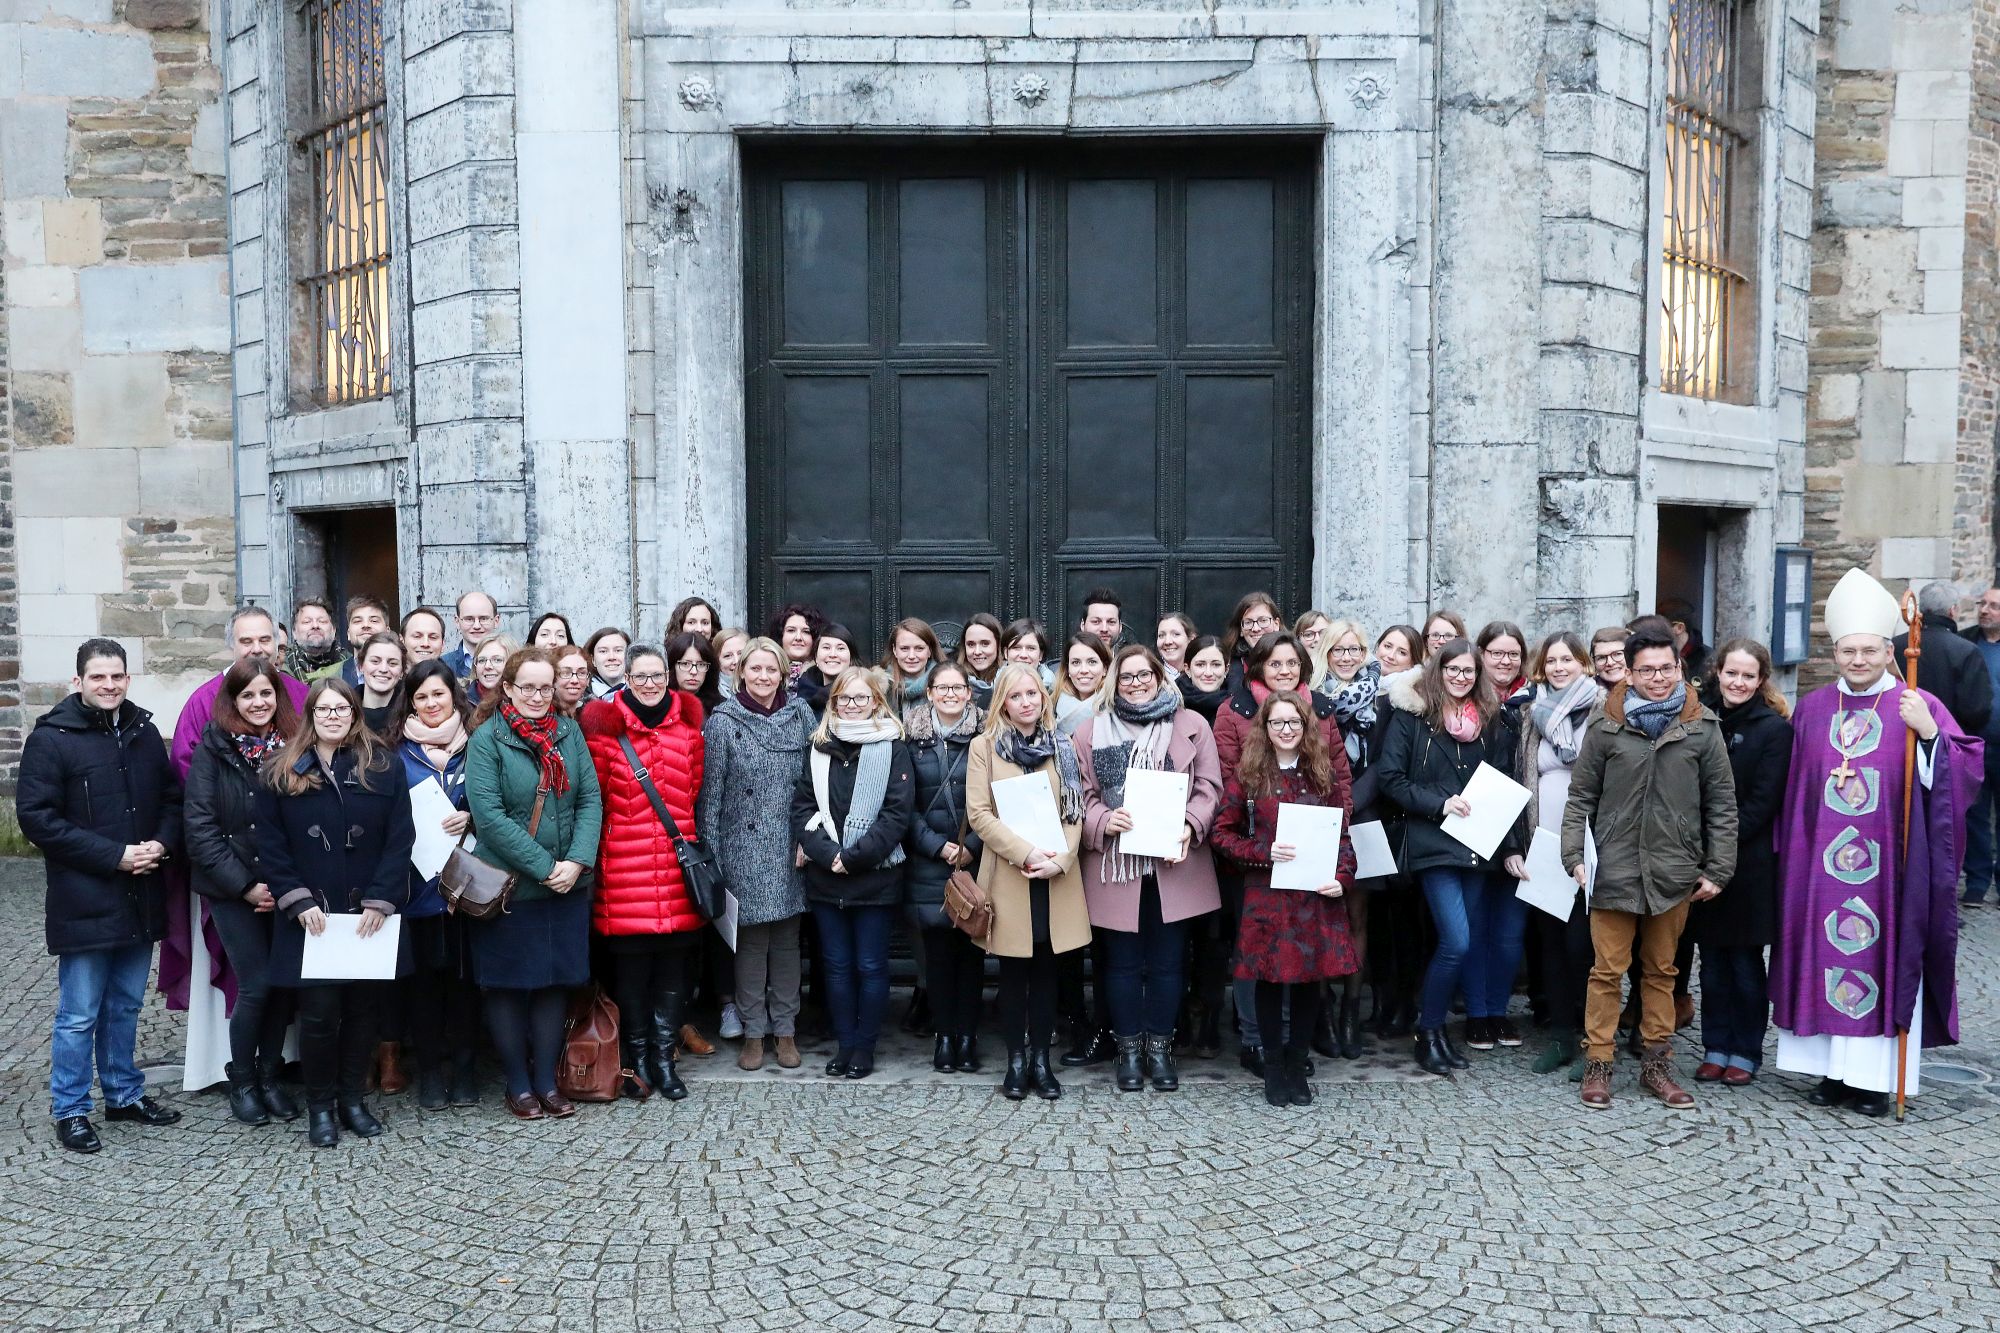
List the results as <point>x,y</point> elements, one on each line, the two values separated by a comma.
<point>957,974</point>
<point>443,1018</point>
<point>257,1024</point>
<point>337,1040</point>
<point>1567,955</point>
<point>1027,999</point>
<point>651,976</point>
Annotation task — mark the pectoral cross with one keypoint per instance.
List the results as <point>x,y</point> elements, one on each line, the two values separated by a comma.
<point>1844,774</point>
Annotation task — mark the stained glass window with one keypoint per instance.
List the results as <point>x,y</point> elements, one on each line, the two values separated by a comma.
<point>1704,305</point>
<point>341,147</point>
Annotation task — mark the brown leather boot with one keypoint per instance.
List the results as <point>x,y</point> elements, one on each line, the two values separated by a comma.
<point>389,1067</point>
<point>1656,1075</point>
<point>1597,1084</point>
<point>752,1055</point>
<point>788,1052</point>
<point>693,1042</point>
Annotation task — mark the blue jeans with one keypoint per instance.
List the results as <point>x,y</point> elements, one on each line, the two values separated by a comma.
<point>1979,867</point>
<point>1451,893</point>
<point>1735,1005</point>
<point>1143,979</point>
<point>1497,921</point>
<point>99,992</point>
<point>854,957</point>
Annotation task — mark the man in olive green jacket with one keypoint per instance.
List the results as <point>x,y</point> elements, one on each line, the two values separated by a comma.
<point>1652,783</point>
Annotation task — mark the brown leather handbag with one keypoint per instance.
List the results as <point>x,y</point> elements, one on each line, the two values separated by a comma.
<point>590,1071</point>
<point>965,903</point>
<point>479,890</point>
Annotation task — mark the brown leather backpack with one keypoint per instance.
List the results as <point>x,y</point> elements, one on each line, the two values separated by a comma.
<point>590,1070</point>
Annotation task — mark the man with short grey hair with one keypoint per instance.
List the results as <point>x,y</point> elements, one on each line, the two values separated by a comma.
<point>1981,873</point>
<point>1950,669</point>
<point>252,633</point>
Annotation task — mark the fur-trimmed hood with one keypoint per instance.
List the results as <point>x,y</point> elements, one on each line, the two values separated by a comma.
<point>1403,689</point>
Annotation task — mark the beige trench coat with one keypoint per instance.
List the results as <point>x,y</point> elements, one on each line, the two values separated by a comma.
<point>1000,867</point>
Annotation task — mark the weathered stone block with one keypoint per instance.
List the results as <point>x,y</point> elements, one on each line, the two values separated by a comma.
<point>471,129</point>
<point>157,307</point>
<point>1880,424</point>
<point>21,231</point>
<point>1941,247</point>
<point>475,324</point>
<point>1862,202</point>
<point>161,15</point>
<point>34,149</point>
<point>41,285</point>
<point>1915,558</point>
<point>1931,41</point>
<point>1863,33</point>
<point>426,23</point>
<point>1879,501</point>
<point>1934,201</point>
<point>473,64</point>
<point>44,412</point>
<point>48,338</point>
<point>1586,251</point>
<point>1878,271</point>
<point>1944,291</point>
<point>469,260</point>
<point>474,388</point>
<point>1920,342</point>
<point>1930,95</point>
<point>78,62</point>
<point>1585,567</point>
<point>192,479</point>
<point>468,195</point>
<point>1910,147</point>
<point>74,483</point>
<point>73,231</point>
<point>1836,398</point>
<point>121,402</point>
<point>71,614</point>
<point>466,451</point>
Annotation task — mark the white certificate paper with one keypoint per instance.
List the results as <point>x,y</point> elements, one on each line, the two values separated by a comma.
<point>1372,857</point>
<point>429,808</point>
<point>1027,806</point>
<point>1314,830</point>
<point>726,923</point>
<point>1497,801</point>
<point>1157,802</point>
<point>338,954</point>
<point>1548,886</point>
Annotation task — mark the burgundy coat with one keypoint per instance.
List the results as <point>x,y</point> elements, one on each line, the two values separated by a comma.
<point>1187,889</point>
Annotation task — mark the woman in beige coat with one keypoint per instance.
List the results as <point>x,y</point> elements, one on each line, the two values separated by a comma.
<point>1037,894</point>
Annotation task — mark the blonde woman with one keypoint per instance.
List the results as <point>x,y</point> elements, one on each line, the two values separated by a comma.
<point>1311,629</point>
<point>1036,892</point>
<point>850,809</point>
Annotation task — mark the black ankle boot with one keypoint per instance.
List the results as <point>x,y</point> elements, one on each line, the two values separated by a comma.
<point>1015,1085</point>
<point>1160,1067</point>
<point>1129,1071</point>
<point>246,1100</point>
<point>663,1046</point>
<point>1208,1037</point>
<point>1452,1055</point>
<point>918,1019</point>
<point>431,1091</point>
<point>944,1054</point>
<point>1093,1047</point>
<point>632,1052</point>
<point>1277,1089</point>
<point>965,1057</point>
<point>1325,1038</point>
<point>359,1119</point>
<point>1347,1027</point>
<point>322,1130</point>
<point>276,1100</point>
<point>1041,1075</point>
<point>464,1087</point>
<point>1429,1051</point>
<point>1295,1076</point>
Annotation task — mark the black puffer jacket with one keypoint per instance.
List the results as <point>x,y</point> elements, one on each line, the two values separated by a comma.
<point>86,792</point>
<point>1420,768</point>
<point>1745,916</point>
<point>1952,669</point>
<point>866,882</point>
<point>939,764</point>
<point>221,809</point>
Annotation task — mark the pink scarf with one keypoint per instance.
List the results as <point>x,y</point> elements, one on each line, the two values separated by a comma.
<point>439,743</point>
<point>1462,720</point>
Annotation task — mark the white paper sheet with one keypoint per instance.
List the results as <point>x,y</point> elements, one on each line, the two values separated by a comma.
<point>1372,857</point>
<point>338,954</point>
<point>1548,886</point>
<point>1027,806</point>
<point>1497,801</point>
<point>1589,864</point>
<point>1314,830</point>
<point>1157,802</point>
<point>726,923</point>
<point>429,808</point>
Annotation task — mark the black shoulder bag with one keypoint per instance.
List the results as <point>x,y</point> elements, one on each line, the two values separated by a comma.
<point>700,871</point>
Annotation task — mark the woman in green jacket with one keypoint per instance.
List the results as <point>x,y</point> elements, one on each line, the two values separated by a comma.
<point>523,752</point>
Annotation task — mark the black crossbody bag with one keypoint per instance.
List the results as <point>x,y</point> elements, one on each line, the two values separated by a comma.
<point>700,871</point>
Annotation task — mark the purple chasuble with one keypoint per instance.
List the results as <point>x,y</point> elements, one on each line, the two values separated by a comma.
<point>1859,926</point>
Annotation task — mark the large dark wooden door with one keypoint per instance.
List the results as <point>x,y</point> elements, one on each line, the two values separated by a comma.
<point>992,377</point>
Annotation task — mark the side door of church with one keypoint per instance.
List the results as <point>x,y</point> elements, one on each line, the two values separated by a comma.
<point>993,375</point>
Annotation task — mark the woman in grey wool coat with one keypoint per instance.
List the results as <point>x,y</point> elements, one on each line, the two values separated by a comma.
<point>756,748</point>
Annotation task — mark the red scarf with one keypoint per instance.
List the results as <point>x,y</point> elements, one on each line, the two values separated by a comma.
<point>540,734</point>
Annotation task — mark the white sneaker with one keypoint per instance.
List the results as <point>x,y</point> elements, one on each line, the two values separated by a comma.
<point>732,1023</point>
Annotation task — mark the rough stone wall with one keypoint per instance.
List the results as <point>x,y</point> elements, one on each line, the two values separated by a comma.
<point>113,340</point>
<point>1972,533</point>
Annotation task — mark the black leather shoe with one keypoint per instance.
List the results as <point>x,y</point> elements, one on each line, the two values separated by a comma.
<point>1208,1036</point>
<point>1015,1085</point>
<point>671,1086</point>
<point>431,1094</point>
<point>322,1130</point>
<point>1277,1089</point>
<point>1325,1041</point>
<point>860,1064</point>
<point>1042,1076</point>
<point>145,1111</point>
<point>837,1067</point>
<point>76,1133</point>
<point>1875,1104</point>
<point>276,1100</point>
<point>1296,1076</point>
<point>1095,1049</point>
<point>1128,1071</point>
<point>1348,1027</point>
<point>246,1102</point>
<point>1429,1052</point>
<point>464,1087</point>
<point>1252,1059</point>
<point>1160,1067</point>
<point>1829,1092</point>
<point>917,1019</point>
<point>1452,1055</point>
<point>966,1055</point>
<point>359,1119</point>
<point>944,1054</point>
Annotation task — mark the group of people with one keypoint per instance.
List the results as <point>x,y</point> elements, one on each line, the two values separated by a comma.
<point>1689,809</point>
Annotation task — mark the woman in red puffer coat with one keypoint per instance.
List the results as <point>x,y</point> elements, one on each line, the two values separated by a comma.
<point>649,922</point>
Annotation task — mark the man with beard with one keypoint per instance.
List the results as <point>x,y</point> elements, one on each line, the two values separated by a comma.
<point>315,650</point>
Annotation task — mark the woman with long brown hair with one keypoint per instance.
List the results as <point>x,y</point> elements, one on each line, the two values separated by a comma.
<point>913,650</point>
<point>1289,941</point>
<point>979,654</point>
<point>1256,615</point>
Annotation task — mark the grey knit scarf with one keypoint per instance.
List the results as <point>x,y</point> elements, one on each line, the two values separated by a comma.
<point>1122,738</point>
<point>864,805</point>
<point>1654,718</point>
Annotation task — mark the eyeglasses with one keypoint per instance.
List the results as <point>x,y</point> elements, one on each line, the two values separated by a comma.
<point>1285,724</point>
<point>1258,622</point>
<point>1658,672</point>
<point>534,691</point>
<point>1608,659</point>
<point>691,667</point>
<point>476,620</point>
<point>332,710</point>
<point>951,689</point>
<point>573,673</point>
<point>1501,655</point>
<point>853,700</point>
<point>1461,672</point>
<point>647,677</point>
<point>1350,650</point>
<point>1134,677</point>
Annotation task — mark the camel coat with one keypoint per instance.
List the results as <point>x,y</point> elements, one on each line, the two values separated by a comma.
<point>1000,864</point>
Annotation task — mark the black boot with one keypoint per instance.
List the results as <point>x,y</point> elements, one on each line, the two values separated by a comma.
<point>359,1119</point>
<point>246,1102</point>
<point>431,1091</point>
<point>965,1056</point>
<point>1452,1055</point>
<point>1129,1070</point>
<point>1347,1027</point>
<point>633,1049</point>
<point>1252,1059</point>
<point>663,1048</point>
<point>944,1054</point>
<point>1429,1051</point>
<point>1295,1076</point>
<point>1015,1086</point>
<point>276,1100</point>
<point>464,1087</point>
<point>1160,1066</point>
<point>322,1130</point>
<point>1325,1039</point>
<point>918,1019</point>
<point>1042,1076</point>
<point>1092,1046</point>
<point>1277,1089</point>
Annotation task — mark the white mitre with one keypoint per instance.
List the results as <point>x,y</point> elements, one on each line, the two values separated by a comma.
<point>1860,605</point>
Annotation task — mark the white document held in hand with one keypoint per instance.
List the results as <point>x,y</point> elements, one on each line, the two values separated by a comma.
<point>1314,833</point>
<point>1157,801</point>
<point>1548,886</point>
<point>1496,801</point>
<point>1027,806</point>
<point>339,954</point>
<point>429,808</point>
<point>1372,857</point>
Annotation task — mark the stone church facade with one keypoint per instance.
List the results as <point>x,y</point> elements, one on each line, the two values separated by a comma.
<point>1514,306</point>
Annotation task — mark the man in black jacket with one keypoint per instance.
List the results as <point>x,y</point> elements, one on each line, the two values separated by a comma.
<point>97,796</point>
<point>1948,666</point>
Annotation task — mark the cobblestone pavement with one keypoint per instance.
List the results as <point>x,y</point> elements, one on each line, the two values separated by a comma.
<point>1490,1202</point>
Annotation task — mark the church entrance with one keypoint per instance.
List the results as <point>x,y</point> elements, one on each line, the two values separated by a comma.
<point>995,375</point>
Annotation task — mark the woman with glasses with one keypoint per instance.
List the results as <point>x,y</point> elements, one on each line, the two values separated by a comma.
<point>1445,724</point>
<point>1607,655</point>
<point>643,911</point>
<point>572,678</point>
<point>607,650</point>
<point>1311,630</point>
<point>1353,682</point>
<point>851,809</point>
<point>1254,617</point>
<point>1141,904</point>
<point>537,812</point>
<point>979,655</point>
<point>1503,650</point>
<point>941,732</point>
<point>487,665</point>
<point>334,836</point>
<point>695,670</point>
<point>1039,911</point>
<point>913,651</point>
<point>1500,918</point>
<point>1086,663</point>
<point>1440,629</point>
